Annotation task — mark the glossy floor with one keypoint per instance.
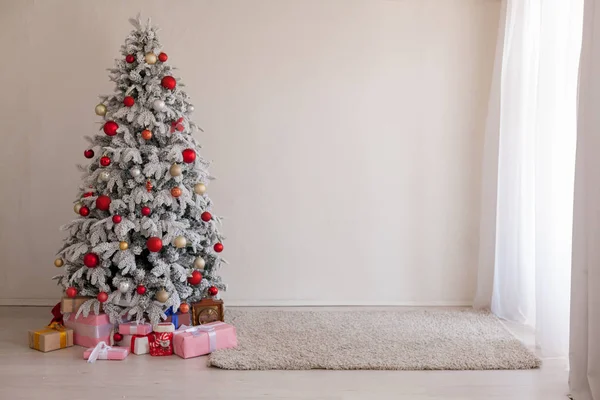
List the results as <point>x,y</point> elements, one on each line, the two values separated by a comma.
<point>29,374</point>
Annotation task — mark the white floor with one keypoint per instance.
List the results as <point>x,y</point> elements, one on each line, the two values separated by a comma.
<point>29,374</point>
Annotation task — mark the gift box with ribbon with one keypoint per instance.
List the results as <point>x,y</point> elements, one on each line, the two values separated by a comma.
<point>133,328</point>
<point>178,318</point>
<point>53,337</point>
<point>102,351</point>
<point>91,330</point>
<point>203,339</point>
<point>71,305</point>
<point>137,344</point>
<point>161,340</point>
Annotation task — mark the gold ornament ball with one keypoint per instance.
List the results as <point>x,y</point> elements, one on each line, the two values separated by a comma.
<point>100,110</point>
<point>162,295</point>
<point>199,188</point>
<point>175,170</point>
<point>151,58</point>
<point>77,207</point>
<point>123,245</point>
<point>199,263</point>
<point>179,242</point>
<point>59,262</point>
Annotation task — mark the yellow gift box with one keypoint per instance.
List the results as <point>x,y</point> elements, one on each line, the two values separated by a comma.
<point>53,337</point>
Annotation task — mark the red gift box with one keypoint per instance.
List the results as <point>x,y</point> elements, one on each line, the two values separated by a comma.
<point>161,340</point>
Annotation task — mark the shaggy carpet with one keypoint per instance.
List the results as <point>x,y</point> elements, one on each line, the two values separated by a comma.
<point>390,340</point>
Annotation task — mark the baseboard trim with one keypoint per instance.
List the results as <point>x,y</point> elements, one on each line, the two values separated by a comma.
<point>280,303</point>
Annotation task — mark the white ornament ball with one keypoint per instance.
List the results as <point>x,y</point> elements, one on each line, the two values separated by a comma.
<point>175,170</point>
<point>77,207</point>
<point>104,176</point>
<point>124,287</point>
<point>191,108</point>
<point>199,263</point>
<point>135,172</point>
<point>100,109</point>
<point>159,105</point>
<point>151,58</point>
<point>199,188</point>
<point>179,242</point>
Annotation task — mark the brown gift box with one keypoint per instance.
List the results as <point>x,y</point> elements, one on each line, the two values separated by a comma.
<point>182,319</point>
<point>71,305</point>
<point>207,310</point>
<point>53,337</point>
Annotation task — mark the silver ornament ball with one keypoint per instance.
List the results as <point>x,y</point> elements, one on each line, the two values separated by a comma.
<point>135,172</point>
<point>124,287</point>
<point>199,263</point>
<point>191,108</point>
<point>77,207</point>
<point>159,105</point>
<point>199,188</point>
<point>151,58</point>
<point>104,176</point>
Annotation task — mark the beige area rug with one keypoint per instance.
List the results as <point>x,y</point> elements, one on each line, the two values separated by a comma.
<point>390,340</point>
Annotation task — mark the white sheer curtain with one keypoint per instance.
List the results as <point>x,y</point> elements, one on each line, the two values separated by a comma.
<point>585,297</point>
<point>529,160</point>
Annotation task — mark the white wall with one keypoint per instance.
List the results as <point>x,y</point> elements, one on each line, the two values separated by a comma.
<point>346,138</point>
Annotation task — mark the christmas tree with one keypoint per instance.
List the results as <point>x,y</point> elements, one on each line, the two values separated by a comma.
<point>145,240</point>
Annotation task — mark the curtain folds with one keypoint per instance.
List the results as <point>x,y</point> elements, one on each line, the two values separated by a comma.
<point>529,160</point>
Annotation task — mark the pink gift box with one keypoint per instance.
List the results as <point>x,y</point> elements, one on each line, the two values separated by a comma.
<point>91,330</point>
<point>204,339</point>
<point>107,353</point>
<point>132,328</point>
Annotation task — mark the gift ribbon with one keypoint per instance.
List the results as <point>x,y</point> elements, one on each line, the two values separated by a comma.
<point>56,314</point>
<point>99,352</point>
<point>209,329</point>
<point>173,315</point>
<point>53,327</point>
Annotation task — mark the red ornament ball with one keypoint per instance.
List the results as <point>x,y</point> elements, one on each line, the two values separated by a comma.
<point>116,219</point>
<point>168,82</point>
<point>110,128</point>
<point>146,211</point>
<point>102,297</point>
<point>88,194</point>
<point>105,161</point>
<point>130,58</point>
<point>91,260</point>
<point>71,292</point>
<point>206,216</point>
<point>146,134</point>
<point>141,289</point>
<point>218,247</point>
<point>103,202</point>
<point>213,290</point>
<point>154,244</point>
<point>195,279</point>
<point>128,101</point>
<point>189,155</point>
<point>89,153</point>
<point>163,57</point>
<point>117,337</point>
<point>84,211</point>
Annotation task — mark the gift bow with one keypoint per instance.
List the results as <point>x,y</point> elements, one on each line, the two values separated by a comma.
<point>58,317</point>
<point>177,125</point>
<point>198,330</point>
<point>173,315</point>
<point>101,350</point>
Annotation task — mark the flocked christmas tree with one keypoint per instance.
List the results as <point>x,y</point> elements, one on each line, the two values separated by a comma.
<point>145,240</point>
